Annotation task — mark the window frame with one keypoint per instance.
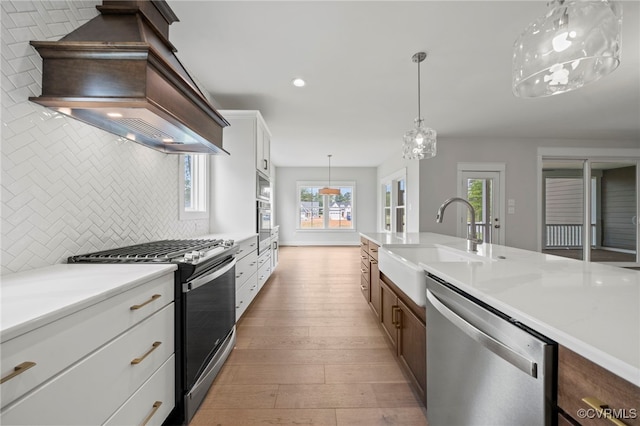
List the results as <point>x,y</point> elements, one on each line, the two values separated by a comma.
<point>392,180</point>
<point>200,182</point>
<point>321,184</point>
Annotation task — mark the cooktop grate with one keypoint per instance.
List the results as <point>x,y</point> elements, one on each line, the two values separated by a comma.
<point>164,250</point>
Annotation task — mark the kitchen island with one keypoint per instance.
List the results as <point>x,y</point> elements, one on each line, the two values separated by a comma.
<point>591,309</point>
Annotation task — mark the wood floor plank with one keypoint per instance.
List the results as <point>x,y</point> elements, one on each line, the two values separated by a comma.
<point>406,416</point>
<point>326,396</point>
<point>316,342</point>
<point>247,330</point>
<point>364,373</point>
<point>370,330</point>
<point>395,395</point>
<point>272,374</point>
<point>309,351</point>
<point>256,417</point>
<point>241,396</point>
<point>296,356</point>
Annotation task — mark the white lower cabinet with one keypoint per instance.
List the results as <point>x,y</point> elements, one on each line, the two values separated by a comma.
<point>264,268</point>
<point>91,363</point>
<point>59,344</point>
<point>90,391</point>
<point>245,295</point>
<point>252,271</point>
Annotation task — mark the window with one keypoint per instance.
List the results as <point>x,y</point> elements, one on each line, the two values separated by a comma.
<point>326,212</point>
<point>193,178</point>
<point>394,201</point>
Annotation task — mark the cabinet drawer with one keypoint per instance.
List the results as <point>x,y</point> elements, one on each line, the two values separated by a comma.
<point>246,246</point>
<point>264,259</point>
<point>246,267</point>
<point>90,391</point>
<point>364,270</point>
<point>364,243</point>
<point>245,295</point>
<point>152,403</point>
<point>364,255</point>
<point>580,378</point>
<point>263,273</point>
<point>61,343</point>
<point>373,250</point>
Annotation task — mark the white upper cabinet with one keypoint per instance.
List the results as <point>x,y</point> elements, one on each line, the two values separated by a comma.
<point>255,133</point>
<point>263,146</point>
<point>234,177</point>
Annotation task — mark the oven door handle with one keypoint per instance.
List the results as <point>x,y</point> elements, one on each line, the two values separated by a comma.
<point>200,281</point>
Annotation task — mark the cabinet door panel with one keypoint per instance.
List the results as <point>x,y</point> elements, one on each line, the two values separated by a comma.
<point>388,307</point>
<point>374,285</point>
<point>412,346</point>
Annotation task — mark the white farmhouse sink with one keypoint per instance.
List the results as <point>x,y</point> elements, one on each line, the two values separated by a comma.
<point>400,264</point>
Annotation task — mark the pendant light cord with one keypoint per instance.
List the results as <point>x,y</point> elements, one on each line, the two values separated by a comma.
<point>419,116</point>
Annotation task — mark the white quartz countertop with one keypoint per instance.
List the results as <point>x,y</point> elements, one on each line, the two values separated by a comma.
<point>31,299</point>
<point>590,308</point>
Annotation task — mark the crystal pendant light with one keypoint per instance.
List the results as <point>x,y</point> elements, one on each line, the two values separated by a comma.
<point>419,142</point>
<point>577,42</point>
<point>327,190</point>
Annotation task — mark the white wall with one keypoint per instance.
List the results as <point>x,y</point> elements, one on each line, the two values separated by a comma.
<point>69,188</point>
<point>438,180</point>
<point>286,203</point>
<point>412,167</point>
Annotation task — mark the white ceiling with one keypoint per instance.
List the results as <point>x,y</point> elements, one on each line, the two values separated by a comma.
<point>361,93</point>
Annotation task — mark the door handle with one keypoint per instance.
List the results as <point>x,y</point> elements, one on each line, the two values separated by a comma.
<point>496,226</point>
<point>503,351</point>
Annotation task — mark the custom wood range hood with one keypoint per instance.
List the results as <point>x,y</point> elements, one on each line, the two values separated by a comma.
<point>119,72</point>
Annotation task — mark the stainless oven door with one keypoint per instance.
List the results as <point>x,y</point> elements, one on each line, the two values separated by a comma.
<point>263,188</point>
<point>264,226</point>
<point>209,323</point>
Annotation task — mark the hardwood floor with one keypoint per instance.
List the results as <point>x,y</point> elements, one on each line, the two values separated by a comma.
<point>309,351</point>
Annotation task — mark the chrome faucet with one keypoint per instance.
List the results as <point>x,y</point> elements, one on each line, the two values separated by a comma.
<point>472,237</point>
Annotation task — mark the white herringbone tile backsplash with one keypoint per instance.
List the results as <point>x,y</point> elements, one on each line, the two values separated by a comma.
<point>69,188</point>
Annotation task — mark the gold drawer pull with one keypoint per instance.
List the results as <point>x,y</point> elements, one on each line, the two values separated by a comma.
<point>602,410</point>
<point>156,405</point>
<point>153,348</point>
<point>154,297</point>
<point>18,369</point>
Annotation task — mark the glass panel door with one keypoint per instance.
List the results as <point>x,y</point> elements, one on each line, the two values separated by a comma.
<point>614,207</point>
<point>481,189</point>
<point>400,205</point>
<point>563,198</point>
<point>387,207</point>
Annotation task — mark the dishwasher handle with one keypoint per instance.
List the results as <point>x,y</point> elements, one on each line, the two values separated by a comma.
<point>503,351</point>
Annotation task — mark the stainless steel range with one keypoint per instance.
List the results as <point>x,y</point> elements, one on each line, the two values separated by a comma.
<point>205,309</point>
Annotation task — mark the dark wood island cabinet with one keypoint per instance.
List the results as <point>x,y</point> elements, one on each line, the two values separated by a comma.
<point>402,320</point>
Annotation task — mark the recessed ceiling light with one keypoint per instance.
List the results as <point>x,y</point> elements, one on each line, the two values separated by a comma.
<point>298,82</point>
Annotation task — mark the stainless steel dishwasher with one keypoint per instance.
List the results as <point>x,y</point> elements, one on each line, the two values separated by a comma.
<point>483,368</point>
